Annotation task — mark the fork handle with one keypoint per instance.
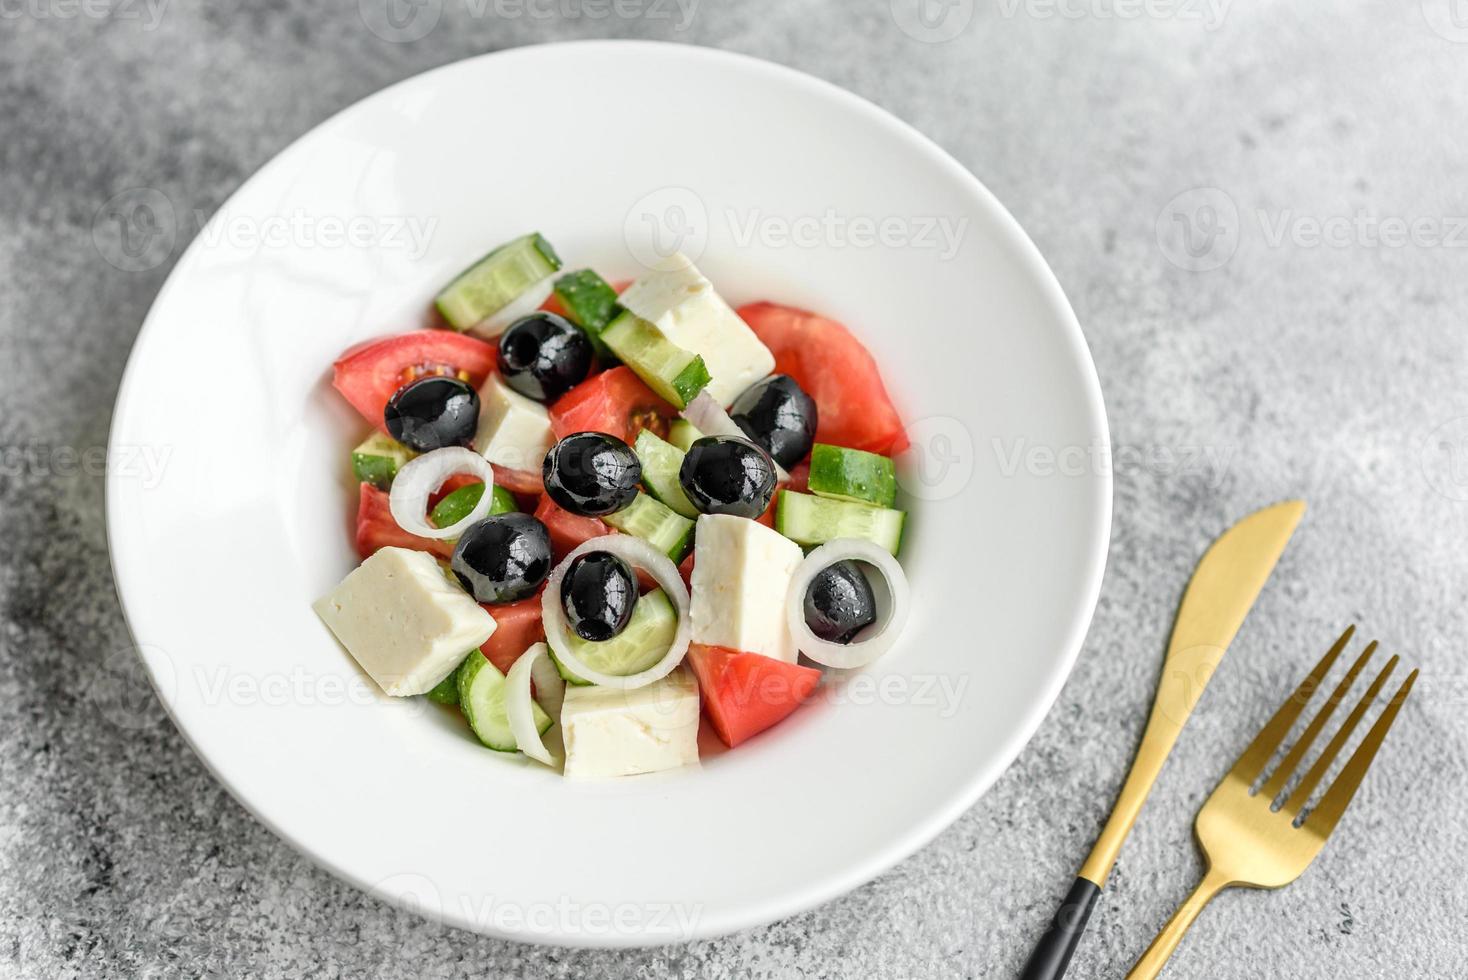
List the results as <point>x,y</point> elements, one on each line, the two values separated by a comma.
<point>1162,948</point>
<point>1052,956</point>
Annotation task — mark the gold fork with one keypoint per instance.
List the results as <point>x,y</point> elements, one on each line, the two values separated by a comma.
<point>1249,841</point>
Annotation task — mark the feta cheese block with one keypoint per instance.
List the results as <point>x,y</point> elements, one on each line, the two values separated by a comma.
<point>514,431</point>
<point>404,621</point>
<point>679,301</point>
<point>611,732</point>
<point>741,577</point>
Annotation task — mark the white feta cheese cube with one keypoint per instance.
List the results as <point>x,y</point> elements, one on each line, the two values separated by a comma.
<point>610,732</point>
<point>680,302</point>
<point>403,621</point>
<point>514,431</point>
<point>741,576</point>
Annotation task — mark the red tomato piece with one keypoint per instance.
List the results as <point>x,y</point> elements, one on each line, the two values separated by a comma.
<point>368,374</point>
<point>745,693</point>
<point>836,370</point>
<point>518,625</point>
<point>799,477</point>
<point>615,402</point>
<point>567,530</point>
<point>377,529</point>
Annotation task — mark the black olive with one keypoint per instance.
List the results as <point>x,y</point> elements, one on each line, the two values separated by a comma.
<point>725,475</point>
<point>839,603</point>
<point>433,412</point>
<point>598,594</point>
<point>591,473</point>
<point>503,558</point>
<point>543,356</point>
<point>778,415</point>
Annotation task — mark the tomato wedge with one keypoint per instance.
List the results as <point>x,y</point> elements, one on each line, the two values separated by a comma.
<point>745,693</point>
<point>836,370</point>
<point>368,374</point>
<point>377,529</point>
<point>615,402</point>
<point>567,530</point>
<point>518,625</point>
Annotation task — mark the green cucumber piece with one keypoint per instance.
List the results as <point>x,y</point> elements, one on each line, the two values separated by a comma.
<point>682,433</point>
<point>851,474</point>
<point>590,303</point>
<point>677,375</point>
<point>496,280</point>
<point>447,690</point>
<point>378,460</point>
<point>809,521</point>
<point>661,462</point>
<point>643,643</point>
<point>656,524</point>
<point>482,699</point>
<point>457,505</point>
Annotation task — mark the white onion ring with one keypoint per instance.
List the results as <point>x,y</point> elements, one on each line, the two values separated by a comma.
<point>871,642</point>
<point>518,704</point>
<point>709,417</point>
<point>639,554</point>
<point>523,305</point>
<point>421,477</point>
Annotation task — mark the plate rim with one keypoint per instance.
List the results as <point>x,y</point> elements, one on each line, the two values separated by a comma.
<point>901,846</point>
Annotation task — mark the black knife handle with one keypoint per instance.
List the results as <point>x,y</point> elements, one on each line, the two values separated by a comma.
<point>1052,956</point>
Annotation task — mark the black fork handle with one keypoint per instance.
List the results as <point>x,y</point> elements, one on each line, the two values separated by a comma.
<point>1051,957</point>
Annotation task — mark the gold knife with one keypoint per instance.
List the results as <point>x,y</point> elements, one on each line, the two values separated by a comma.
<point>1225,584</point>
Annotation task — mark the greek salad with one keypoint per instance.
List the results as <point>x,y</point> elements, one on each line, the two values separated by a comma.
<point>591,514</point>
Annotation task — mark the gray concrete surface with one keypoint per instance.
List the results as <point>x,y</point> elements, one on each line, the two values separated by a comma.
<point>1252,361</point>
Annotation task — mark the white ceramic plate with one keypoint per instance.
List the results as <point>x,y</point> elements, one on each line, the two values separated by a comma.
<point>783,187</point>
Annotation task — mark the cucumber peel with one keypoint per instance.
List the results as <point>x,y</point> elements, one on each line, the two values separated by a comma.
<point>590,303</point>
<point>378,460</point>
<point>496,280</point>
<point>851,474</point>
<point>482,699</point>
<point>809,520</point>
<point>677,375</point>
<point>456,506</point>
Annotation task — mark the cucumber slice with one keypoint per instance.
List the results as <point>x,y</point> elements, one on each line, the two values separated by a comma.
<point>656,524</point>
<point>850,474</point>
<point>590,302</point>
<point>447,690</point>
<point>457,505</point>
<point>809,521</point>
<point>643,643</point>
<point>482,699</point>
<point>682,433</point>
<point>660,464</point>
<point>378,460</point>
<point>677,375</point>
<point>496,280</point>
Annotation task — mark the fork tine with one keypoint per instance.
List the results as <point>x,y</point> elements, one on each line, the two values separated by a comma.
<point>1317,724</point>
<point>1322,819</point>
<point>1317,772</point>
<point>1252,762</point>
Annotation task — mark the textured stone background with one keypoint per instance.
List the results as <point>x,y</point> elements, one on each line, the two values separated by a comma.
<point>1289,366</point>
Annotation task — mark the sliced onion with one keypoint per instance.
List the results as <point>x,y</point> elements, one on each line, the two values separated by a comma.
<point>874,640</point>
<point>523,305</point>
<point>421,477</point>
<point>518,707</point>
<point>709,417</point>
<point>639,554</point>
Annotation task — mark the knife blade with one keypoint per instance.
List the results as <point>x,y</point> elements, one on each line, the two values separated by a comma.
<point>1224,586</point>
